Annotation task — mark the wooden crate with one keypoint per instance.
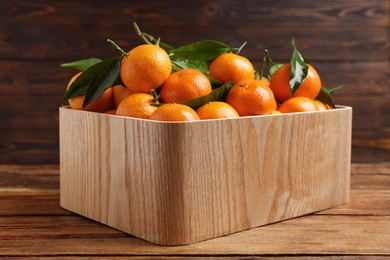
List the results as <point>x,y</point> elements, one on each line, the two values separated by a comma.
<point>175,183</point>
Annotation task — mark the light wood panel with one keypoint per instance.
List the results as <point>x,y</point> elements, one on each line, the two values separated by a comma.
<point>177,183</point>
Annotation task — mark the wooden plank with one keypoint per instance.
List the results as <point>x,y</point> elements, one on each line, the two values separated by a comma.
<point>68,235</point>
<point>41,146</point>
<point>70,28</point>
<point>363,202</point>
<point>29,146</point>
<point>370,169</point>
<point>18,113</point>
<point>369,145</point>
<point>374,113</point>
<point>23,202</point>
<point>193,257</point>
<point>17,227</point>
<point>46,78</point>
<point>35,177</point>
<point>24,113</point>
<point>349,47</point>
<point>26,232</point>
<point>46,81</point>
<point>367,177</point>
<point>373,77</point>
<point>28,178</point>
<point>26,35</point>
<point>153,12</point>
<point>241,257</point>
<point>34,79</point>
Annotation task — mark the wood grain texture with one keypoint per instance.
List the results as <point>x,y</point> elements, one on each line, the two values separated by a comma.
<point>34,190</point>
<point>157,181</point>
<point>360,27</point>
<point>29,146</point>
<point>32,224</point>
<point>373,115</point>
<point>47,78</point>
<point>364,202</point>
<point>347,41</point>
<point>40,146</point>
<point>72,235</point>
<point>29,179</point>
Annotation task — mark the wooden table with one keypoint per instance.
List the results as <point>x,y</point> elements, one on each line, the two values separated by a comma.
<point>33,224</point>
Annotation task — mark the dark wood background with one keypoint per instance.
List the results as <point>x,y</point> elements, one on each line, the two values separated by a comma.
<point>347,41</point>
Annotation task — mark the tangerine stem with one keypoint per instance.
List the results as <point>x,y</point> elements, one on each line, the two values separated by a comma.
<point>266,56</point>
<point>117,47</point>
<point>267,59</point>
<point>140,33</point>
<point>155,95</point>
<point>262,64</point>
<point>241,47</point>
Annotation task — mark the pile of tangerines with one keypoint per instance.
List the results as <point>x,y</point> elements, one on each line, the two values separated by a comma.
<point>147,70</point>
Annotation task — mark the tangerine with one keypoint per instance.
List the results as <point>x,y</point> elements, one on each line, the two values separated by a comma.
<point>184,85</point>
<point>231,67</point>
<point>264,81</point>
<point>251,97</point>
<point>280,84</point>
<point>297,104</point>
<point>137,105</point>
<point>120,92</point>
<point>145,67</point>
<point>320,105</point>
<point>111,112</point>
<point>174,112</point>
<point>102,104</point>
<point>216,109</point>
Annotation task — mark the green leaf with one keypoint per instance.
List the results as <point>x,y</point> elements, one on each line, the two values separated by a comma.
<point>326,97</point>
<point>166,47</point>
<point>102,80</point>
<point>215,83</point>
<point>179,63</point>
<point>82,83</point>
<point>202,50</point>
<point>274,68</point>
<point>298,70</point>
<point>332,90</point>
<point>215,95</point>
<point>81,64</point>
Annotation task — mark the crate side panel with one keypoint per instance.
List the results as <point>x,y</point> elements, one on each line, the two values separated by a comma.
<point>122,172</point>
<point>153,181</point>
<point>254,171</point>
<point>180,183</point>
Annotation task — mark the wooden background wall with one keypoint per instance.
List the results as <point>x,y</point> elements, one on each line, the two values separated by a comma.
<point>347,41</point>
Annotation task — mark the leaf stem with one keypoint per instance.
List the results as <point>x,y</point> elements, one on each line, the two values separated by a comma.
<point>241,47</point>
<point>141,34</point>
<point>117,47</point>
<point>155,95</point>
<point>262,64</point>
<point>266,60</point>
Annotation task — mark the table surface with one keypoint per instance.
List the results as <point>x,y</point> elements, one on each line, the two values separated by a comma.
<point>33,224</point>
